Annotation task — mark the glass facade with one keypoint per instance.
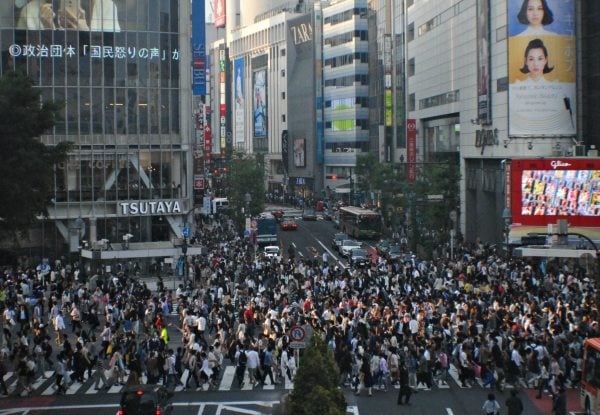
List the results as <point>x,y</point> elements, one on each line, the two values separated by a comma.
<point>114,65</point>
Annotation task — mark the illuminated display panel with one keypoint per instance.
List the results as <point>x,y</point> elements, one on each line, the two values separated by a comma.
<point>545,190</point>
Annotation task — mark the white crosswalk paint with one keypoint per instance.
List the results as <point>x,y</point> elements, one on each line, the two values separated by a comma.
<point>247,385</point>
<point>50,389</point>
<point>288,383</point>
<point>38,383</point>
<point>453,371</point>
<point>74,388</point>
<point>227,380</point>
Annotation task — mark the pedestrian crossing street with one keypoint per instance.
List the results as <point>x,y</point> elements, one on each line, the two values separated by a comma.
<point>46,385</point>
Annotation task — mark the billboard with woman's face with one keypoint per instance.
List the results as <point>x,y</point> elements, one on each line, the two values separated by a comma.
<point>259,103</point>
<point>542,68</point>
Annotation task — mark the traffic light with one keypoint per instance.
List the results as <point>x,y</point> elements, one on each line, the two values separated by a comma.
<point>216,172</point>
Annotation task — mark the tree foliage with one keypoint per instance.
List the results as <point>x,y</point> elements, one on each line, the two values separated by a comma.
<point>316,383</point>
<point>422,208</point>
<point>246,176</point>
<point>26,164</point>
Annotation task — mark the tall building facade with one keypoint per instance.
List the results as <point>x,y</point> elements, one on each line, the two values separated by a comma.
<point>474,99</point>
<point>345,90</point>
<point>121,68</point>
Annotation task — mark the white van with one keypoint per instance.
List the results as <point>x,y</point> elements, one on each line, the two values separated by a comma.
<point>219,204</point>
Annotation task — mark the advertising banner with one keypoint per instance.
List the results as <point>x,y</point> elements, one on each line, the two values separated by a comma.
<point>239,100</point>
<point>388,107</point>
<point>198,48</point>
<point>220,13</point>
<point>483,62</point>
<point>542,68</point>
<point>223,102</point>
<point>545,190</point>
<point>411,150</point>
<point>300,152</point>
<point>259,103</point>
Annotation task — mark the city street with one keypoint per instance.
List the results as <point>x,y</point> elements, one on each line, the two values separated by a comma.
<point>310,241</point>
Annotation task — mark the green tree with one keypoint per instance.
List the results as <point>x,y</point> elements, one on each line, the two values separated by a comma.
<point>430,200</point>
<point>316,383</point>
<point>26,164</point>
<point>386,182</point>
<point>246,176</point>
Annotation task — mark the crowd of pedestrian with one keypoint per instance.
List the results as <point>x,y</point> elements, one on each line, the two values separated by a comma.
<point>402,322</point>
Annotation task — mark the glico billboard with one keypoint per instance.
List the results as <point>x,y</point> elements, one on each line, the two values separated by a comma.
<point>544,190</point>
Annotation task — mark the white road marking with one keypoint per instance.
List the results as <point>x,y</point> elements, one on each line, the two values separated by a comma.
<point>227,379</point>
<point>449,411</point>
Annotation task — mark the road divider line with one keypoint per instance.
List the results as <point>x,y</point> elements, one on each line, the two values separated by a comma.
<point>328,250</point>
<point>449,411</point>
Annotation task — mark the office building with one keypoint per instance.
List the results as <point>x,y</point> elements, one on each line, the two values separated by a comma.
<point>122,72</point>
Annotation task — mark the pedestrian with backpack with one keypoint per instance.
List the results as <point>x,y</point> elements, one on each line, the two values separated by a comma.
<point>240,368</point>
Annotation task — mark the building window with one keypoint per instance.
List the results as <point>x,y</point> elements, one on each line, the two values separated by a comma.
<point>411,32</point>
<point>282,117</point>
<point>283,73</point>
<point>411,102</point>
<point>283,95</point>
<point>411,67</point>
<point>282,52</point>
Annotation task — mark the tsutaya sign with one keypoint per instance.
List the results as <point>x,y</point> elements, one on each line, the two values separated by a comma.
<point>149,207</point>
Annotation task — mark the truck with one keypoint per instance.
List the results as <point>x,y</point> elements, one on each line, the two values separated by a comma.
<point>219,204</point>
<point>266,229</point>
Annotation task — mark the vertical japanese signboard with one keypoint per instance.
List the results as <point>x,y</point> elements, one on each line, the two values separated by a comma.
<point>222,101</point>
<point>542,57</point>
<point>483,62</point>
<point>220,13</point>
<point>198,48</point>
<point>411,150</point>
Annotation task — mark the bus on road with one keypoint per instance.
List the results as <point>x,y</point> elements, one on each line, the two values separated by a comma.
<point>360,223</point>
<point>590,377</point>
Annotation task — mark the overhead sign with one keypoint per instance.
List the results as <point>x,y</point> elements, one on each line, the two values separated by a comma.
<point>149,208</point>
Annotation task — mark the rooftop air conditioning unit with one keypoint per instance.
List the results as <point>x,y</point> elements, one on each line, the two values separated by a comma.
<point>578,150</point>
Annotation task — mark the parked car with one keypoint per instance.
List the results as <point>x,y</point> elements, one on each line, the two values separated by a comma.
<point>309,214</point>
<point>347,246</point>
<point>272,252</point>
<point>337,240</point>
<point>146,400</point>
<point>394,252</point>
<point>382,247</point>
<point>288,224</point>
<point>359,257</point>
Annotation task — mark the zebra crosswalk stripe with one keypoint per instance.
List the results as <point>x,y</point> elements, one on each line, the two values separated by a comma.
<point>227,379</point>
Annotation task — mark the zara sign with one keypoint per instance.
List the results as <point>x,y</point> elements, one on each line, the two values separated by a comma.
<point>149,207</point>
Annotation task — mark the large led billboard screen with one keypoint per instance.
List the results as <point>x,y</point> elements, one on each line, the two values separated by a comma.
<point>545,190</point>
